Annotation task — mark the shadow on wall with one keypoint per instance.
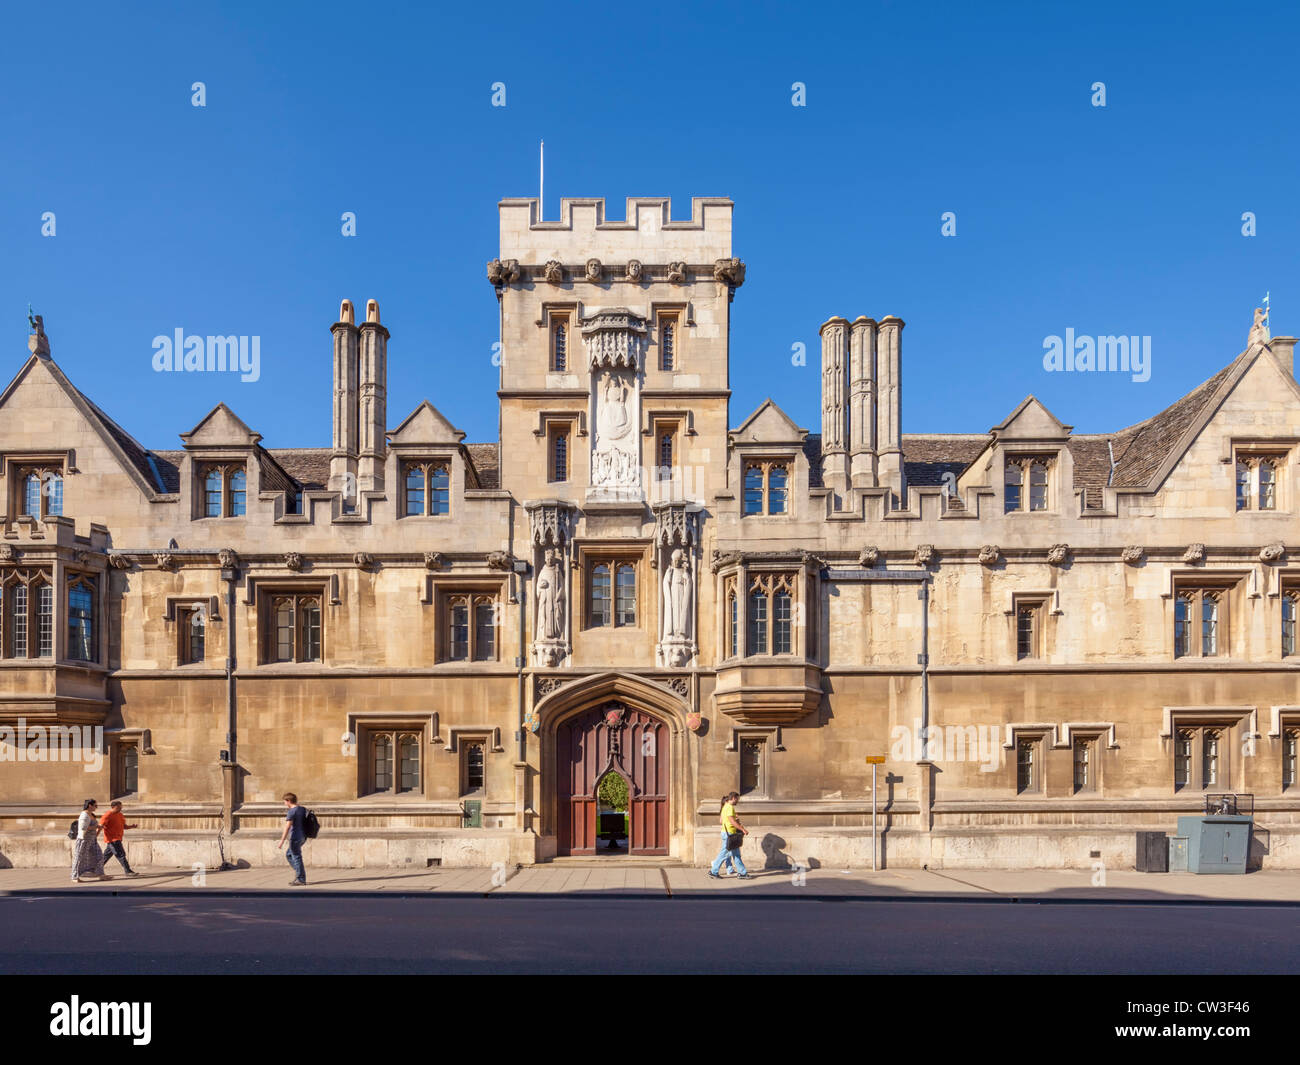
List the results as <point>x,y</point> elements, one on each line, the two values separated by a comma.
<point>774,856</point>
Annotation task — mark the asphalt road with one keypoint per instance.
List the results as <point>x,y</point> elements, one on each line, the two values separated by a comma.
<point>114,935</point>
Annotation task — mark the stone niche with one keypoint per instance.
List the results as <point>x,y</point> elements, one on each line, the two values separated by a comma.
<point>615,339</point>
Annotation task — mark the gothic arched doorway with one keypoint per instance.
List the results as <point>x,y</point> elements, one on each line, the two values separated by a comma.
<point>633,743</point>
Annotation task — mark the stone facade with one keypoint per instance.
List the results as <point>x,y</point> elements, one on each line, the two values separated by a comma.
<point>1055,639</point>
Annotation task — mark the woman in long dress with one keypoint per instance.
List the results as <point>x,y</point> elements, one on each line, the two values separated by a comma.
<point>87,861</point>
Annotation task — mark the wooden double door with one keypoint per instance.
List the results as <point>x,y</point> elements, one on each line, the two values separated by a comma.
<point>612,738</point>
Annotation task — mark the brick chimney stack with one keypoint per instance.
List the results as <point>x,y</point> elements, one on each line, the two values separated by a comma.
<point>373,401</point>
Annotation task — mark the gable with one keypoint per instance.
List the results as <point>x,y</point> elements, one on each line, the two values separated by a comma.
<point>220,427</point>
<point>425,425</point>
<point>1031,421</point>
<point>768,425</point>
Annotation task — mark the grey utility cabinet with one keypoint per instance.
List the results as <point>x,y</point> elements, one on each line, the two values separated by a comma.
<point>1216,843</point>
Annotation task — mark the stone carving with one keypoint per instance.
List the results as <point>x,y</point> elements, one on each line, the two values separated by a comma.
<point>989,555</point>
<point>1258,330</point>
<point>694,720</point>
<point>677,273</point>
<point>595,271</point>
<point>678,622</point>
<point>615,339</point>
<point>1272,552</point>
<point>869,556</point>
<point>227,559</point>
<point>732,271</point>
<point>7,553</point>
<point>546,685</point>
<point>38,343</point>
<point>681,686</point>
<point>551,616</point>
<point>634,270</point>
<point>434,560</point>
<point>1058,554</point>
<point>925,554</point>
<point>84,558</point>
<point>363,560</point>
<point>119,561</point>
<point>1132,554</point>
<point>165,560</point>
<point>499,560</point>
<point>1194,553</point>
<point>553,272</point>
<point>614,456</point>
<point>723,558</point>
<point>293,560</point>
<point>503,271</point>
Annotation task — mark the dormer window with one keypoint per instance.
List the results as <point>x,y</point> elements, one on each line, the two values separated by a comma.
<point>428,488</point>
<point>40,492</point>
<point>766,486</point>
<point>225,491</point>
<point>1025,484</point>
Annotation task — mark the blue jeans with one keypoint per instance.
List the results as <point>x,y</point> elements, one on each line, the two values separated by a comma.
<point>294,854</point>
<point>727,857</point>
<point>115,849</point>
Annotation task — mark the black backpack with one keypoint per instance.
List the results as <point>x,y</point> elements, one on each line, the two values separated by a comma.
<point>72,832</point>
<point>310,825</point>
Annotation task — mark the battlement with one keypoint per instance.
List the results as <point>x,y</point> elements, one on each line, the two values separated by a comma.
<point>647,233</point>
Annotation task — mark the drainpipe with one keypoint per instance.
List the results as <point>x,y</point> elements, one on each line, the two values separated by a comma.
<point>229,772</point>
<point>521,659</point>
<point>924,660</point>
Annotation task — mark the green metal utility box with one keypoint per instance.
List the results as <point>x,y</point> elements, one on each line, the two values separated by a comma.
<point>1216,843</point>
<point>473,809</point>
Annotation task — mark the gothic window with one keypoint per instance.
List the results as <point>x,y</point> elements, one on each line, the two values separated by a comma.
<point>560,347</point>
<point>1026,471</point>
<point>81,619</point>
<point>558,471</point>
<point>225,491</point>
<point>1258,480</point>
<point>471,620</point>
<point>1201,622</point>
<point>766,488</point>
<point>770,615</point>
<point>613,594</point>
<point>1201,757</point>
<point>40,492</point>
<point>1028,771</point>
<point>27,615</point>
<point>1290,758</point>
<point>193,633</point>
<point>394,765</point>
<point>1028,623</point>
<point>665,455</point>
<point>733,624</point>
<point>293,627</point>
<point>1290,601</point>
<point>428,489</point>
<point>1085,772</point>
<point>668,345</point>
<point>473,768</point>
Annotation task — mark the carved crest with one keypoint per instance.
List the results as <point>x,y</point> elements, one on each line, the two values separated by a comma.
<point>553,272</point>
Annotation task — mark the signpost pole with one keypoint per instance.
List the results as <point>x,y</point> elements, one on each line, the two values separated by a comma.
<point>873,817</point>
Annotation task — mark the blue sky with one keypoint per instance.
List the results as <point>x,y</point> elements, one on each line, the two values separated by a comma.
<point>225,219</point>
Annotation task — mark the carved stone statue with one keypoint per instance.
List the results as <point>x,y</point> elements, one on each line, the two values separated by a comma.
<point>677,273</point>
<point>594,271</point>
<point>614,456</point>
<point>38,343</point>
<point>677,598</point>
<point>550,598</point>
<point>634,270</point>
<point>1259,329</point>
<point>553,272</point>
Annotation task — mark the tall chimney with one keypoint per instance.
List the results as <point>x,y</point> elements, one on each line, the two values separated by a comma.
<point>835,408</point>
<point>373,396</point>
<point>1283,349</point>
<point>862,404</point>
<point>343,459</point>
<point>889,405</point>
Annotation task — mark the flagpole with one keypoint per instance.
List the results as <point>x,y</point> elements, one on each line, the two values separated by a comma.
<point>541,180</point>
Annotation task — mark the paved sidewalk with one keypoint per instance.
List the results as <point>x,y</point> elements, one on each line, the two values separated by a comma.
<point>612,879</point>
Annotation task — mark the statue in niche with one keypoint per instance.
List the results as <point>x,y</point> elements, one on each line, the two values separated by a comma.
<point>677,598</point>
<point>550,598</point>
<point>614,455</point>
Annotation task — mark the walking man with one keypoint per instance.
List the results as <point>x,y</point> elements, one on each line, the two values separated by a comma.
<point>114,824</point>
<point>295,833</point>
<point>730,826</point>
<point>87,862</point>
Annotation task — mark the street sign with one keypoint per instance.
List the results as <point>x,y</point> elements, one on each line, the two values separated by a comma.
<point>875,759</point>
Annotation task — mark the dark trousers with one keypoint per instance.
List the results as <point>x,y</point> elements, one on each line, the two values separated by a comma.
<point>294,854</point>
<point>115,849</point>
